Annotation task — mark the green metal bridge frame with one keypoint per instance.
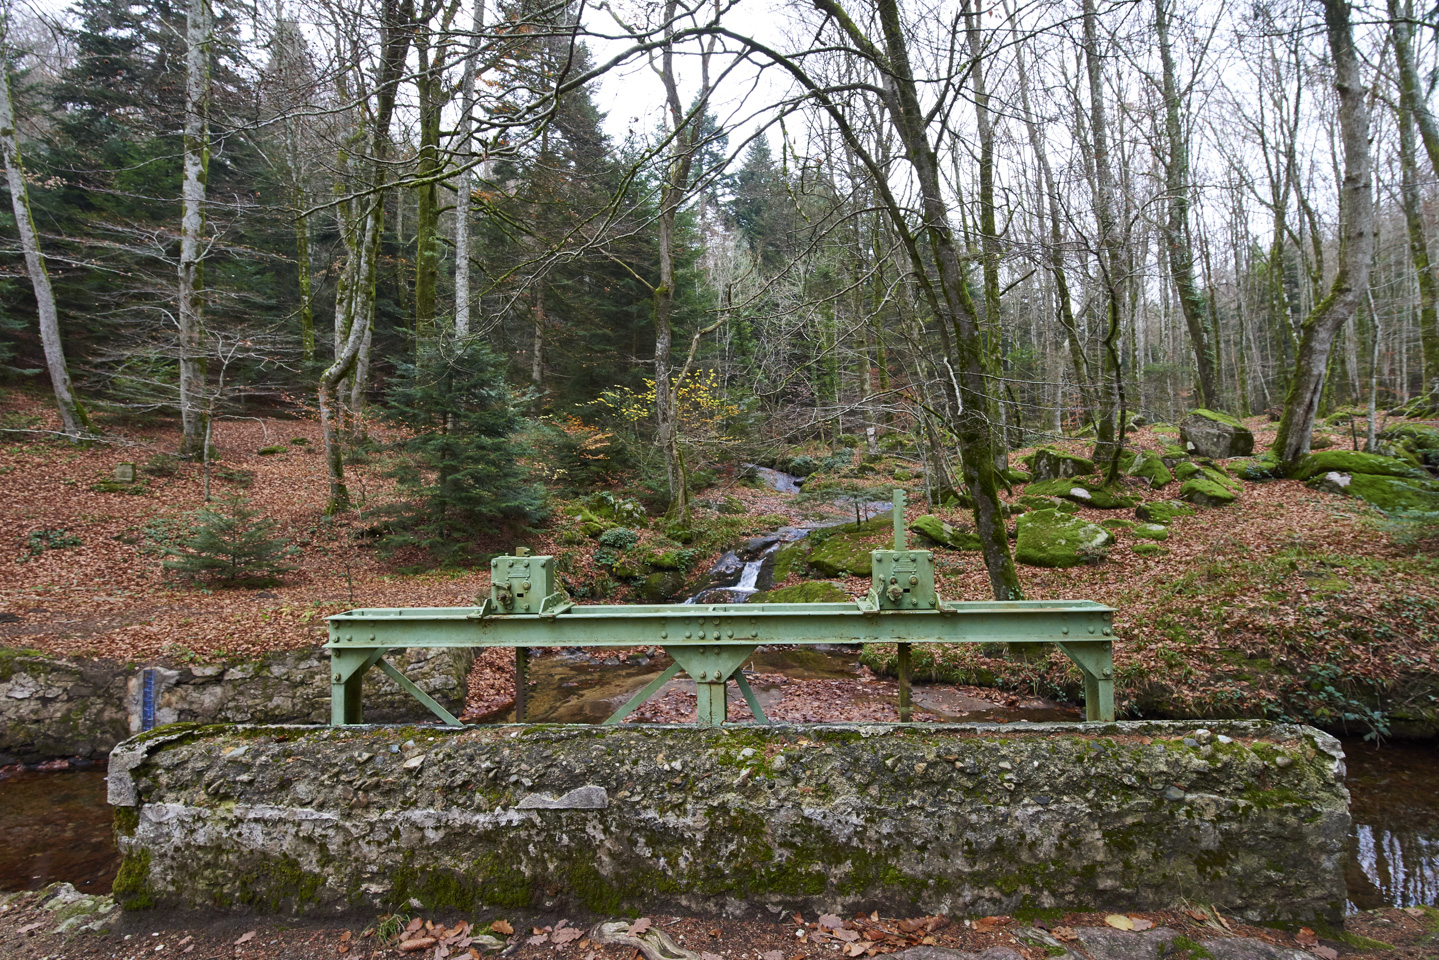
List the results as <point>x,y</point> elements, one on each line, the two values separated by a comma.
<point>711,642</point>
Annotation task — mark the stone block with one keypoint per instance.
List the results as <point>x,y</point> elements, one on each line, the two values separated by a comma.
<point>929,819</point>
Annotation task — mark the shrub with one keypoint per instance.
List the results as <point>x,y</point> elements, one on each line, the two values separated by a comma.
<point>41,540</point>
<point>231,544</point>
<point>162,465</point>
<point>619,538</point>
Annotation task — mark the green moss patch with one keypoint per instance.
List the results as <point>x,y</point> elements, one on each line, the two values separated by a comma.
<point>1083,492</point>
<point>1149,549</point>
<point>937,531</point>
<point>813,591</point>
<point>1354,461</point>
<point>1162,511</point>
<point>1048,538</point>
<point>1206,493</point>
<point>1151,531</point>
<point>1149,466</point>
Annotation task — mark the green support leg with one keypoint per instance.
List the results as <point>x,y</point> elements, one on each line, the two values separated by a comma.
<point>1095,659</point>
<point>347,678</point>
<point>522,683</point>
<point>906,710</point>
<point>712,703</point>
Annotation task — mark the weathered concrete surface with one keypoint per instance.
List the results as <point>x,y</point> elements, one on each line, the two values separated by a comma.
<point>54,707</point>
<point>933,818</point>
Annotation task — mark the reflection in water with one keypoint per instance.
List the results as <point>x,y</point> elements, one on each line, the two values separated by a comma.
<point>56,826</point>
<point>1394,842</point>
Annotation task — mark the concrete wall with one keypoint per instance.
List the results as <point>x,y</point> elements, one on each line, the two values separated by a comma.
<point>52,707</point>
<point>931,818</point>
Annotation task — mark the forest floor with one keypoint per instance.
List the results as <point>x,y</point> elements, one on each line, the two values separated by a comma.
<point>1290,603</point>
<point>1395,934</point>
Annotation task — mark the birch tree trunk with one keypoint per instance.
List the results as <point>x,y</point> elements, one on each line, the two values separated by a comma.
<point>465,184</point>
<point>1351,279</point>
<point>191,312</point>
<point>73,419</point>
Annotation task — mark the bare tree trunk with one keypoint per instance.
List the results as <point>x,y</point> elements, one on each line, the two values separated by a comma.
<point>1109,437</point>
<point>464,187</point>
<point>1351,279</point>
<point>1412,96</point>
<point>1192,302</point>
<point>1419,251</point>
<point>73,419</point>
<point>192,224</point>
<point>355,293</point>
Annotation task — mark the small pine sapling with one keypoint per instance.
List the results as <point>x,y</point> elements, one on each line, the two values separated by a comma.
<point>231,544</point>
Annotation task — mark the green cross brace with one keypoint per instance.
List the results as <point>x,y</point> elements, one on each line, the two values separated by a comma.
<point>711,642</point>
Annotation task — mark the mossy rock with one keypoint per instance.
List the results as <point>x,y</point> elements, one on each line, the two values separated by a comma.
<point>957,501</point>
<point>1084,492</point>
<point>786,557</point>
<point>937,531</point>
<point>1354,461</point>
<point>590,522</point>
<point>1047,503</point>
<point>1173,451</point>
<point>1187,470</point>
<point>662,587</point>
<point>1016,475</point>
<point>668,559</point>
<point>1217,474</point>
<point>1389,494</point>
<point>1149,466</point>
<point>1412,435</point>
<point>1206,493</point>
<point>1210,433</point>
<point>1321,441</point>
<point>1162,511</point>
<point>272,450</point>
<point>1047,463</point>
<point>1151,531</point>
<point>1149,549</point>
<point>1048,538</point>
<point>1116,524</point>
<point>843,554</point>
<point>1258,469</point>
<point>901,475</point>
<point>811,591</point>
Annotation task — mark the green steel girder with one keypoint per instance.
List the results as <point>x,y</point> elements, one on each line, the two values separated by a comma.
<point>710,642</point>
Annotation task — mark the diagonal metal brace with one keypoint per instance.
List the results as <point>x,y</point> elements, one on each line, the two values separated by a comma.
<point>749,696</point>
<point>650,689</point>
<point>409,687</point>
<point>1095,659</point>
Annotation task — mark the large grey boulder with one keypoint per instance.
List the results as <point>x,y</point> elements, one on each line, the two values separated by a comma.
<point>1208,433</point>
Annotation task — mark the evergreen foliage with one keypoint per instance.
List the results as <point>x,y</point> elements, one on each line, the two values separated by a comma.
<point>231,544</point>
<point>458,467</point>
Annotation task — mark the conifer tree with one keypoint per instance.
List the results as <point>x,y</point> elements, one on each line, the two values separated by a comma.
<point>232,544</point>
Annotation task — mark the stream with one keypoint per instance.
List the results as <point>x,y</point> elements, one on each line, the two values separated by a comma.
<point>56,825</point>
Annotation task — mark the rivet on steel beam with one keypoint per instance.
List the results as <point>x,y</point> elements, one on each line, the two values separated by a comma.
<point>1065,631</point>
<point>1091,629</point>
<point>338,678</point>
<point>664,634</point>
<point>688,634</point>
<point>1107,631</point>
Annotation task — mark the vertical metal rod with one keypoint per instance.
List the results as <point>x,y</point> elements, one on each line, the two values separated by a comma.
<point>899,519</point>
<point>522,682</point>
<point>906,712</point>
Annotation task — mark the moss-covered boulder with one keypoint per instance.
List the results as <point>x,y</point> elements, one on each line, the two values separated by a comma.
<point>1321,441</point>
<point>1258,469</point>
<point>1416,437</point>
<point>1206,493</point>
<point>1390,494</point>
<point>844,550</point>
<point>1047,463</point>
<point>662,587</point>
<point>1084,492</point>
<point>1149,549</point>
<point>1209,433</point>
<point>591,523</point>
<point>786,558</point>
<point>1150,531</point>
<point>1034,502</point>
<point>1150,466</point>
<point>811,591</point>
<point>1016,475</point>
<point>1048,538</point>
<point>1162,511</point>
<point>937,531</point>
<point>1116,524</point>
<point>1354,461</point>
